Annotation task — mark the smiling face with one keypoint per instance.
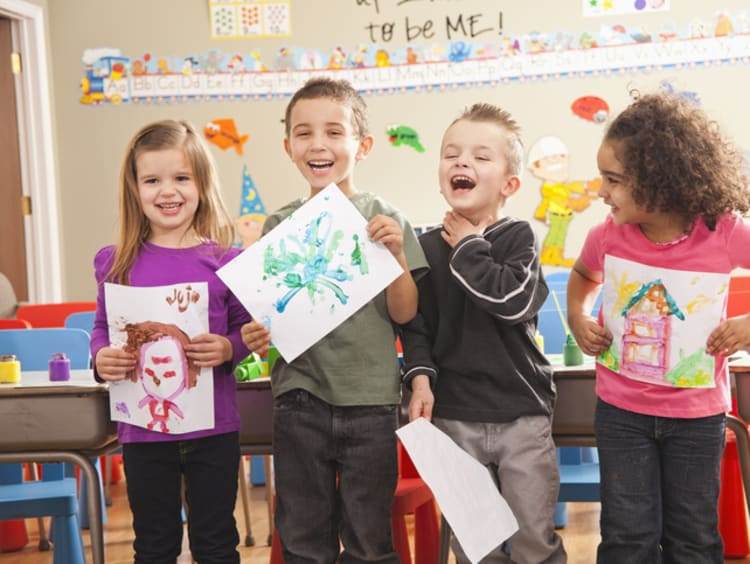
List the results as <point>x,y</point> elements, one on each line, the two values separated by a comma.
<point>168,195</point>
<point>473,172</point>
<point>164,368</point>
<point>323,144</point>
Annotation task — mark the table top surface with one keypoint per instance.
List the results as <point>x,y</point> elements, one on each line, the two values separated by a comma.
<point>37,381</point>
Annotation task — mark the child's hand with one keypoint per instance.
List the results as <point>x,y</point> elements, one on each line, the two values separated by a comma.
<point>730,336</point>
<point>386,230</point>
<point>208,350</point>
<point>114,364</point>
<point>256,337</point>
<point>456,227</point>
<point>422,400</point>
<point>590,336</point>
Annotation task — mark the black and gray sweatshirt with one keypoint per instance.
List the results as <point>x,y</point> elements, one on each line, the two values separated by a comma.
<point>474,332</point>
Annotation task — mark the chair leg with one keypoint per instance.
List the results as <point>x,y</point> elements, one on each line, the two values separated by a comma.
<point>445,541</point>
<point>44,544</point>
<point>400,538</point>
<point>68,541</point>
<point>245,498</point>
<point>426,534</point>
<point>270,495</point>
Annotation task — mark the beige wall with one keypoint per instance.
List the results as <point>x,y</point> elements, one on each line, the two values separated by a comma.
<point>90,140</point>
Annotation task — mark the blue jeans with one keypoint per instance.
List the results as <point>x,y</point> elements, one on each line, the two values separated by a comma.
<point>659,487</point>
<point>154,474</point>
<point>336,470</point>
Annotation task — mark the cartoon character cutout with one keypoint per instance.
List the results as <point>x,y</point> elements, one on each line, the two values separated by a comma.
<point>548,161</point>
<point>164,377</point>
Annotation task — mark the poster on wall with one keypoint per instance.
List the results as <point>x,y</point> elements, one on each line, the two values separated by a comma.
<point>111,77</point>
<point>232,19</point>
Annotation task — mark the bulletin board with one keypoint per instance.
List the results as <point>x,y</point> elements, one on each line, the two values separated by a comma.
<point>562,69</point>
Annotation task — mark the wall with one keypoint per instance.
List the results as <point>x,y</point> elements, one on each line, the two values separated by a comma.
<point>91,139</point>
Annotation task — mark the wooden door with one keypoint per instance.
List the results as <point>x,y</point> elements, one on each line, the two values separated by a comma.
<point>12,238</point>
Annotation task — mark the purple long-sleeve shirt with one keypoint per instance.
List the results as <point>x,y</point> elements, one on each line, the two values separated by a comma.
<point>159,266</point>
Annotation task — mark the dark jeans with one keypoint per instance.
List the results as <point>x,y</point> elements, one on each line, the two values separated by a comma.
<point>154,473</point>
<point>659,487</point>
<point>336,470</point>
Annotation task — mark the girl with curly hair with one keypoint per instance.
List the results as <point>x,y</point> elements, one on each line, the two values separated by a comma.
<point>677,193</point>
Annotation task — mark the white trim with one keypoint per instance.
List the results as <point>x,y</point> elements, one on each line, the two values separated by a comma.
<point>37,151</point>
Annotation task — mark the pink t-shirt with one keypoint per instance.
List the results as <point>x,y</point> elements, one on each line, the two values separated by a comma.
<point>718,251</point>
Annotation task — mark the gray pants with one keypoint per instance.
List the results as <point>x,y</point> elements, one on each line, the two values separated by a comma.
<point>521,456</point>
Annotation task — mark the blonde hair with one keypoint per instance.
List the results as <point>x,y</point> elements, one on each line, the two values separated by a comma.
<point>487,113</point>
<point>211,220</point>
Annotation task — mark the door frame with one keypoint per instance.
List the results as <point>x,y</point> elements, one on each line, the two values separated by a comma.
<point>36,147</point>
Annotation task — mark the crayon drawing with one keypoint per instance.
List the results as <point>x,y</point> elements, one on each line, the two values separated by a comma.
<point>660,320</point>
<point>166,393</point>
<point>311,272</point>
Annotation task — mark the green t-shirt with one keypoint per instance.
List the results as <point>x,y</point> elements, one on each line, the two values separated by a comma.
<point>356,363</point>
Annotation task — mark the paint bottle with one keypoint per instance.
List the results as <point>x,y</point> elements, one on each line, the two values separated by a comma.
<point>10,369</point>
<point>539,338</point>
<point>59,368</point>
<point>572,353</point>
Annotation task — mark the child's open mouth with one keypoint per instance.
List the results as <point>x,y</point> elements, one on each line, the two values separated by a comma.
<point>461,182</point>
<point>320,165</point>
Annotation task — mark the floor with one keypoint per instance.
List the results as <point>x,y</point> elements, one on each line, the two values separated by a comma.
<point>580,536</point>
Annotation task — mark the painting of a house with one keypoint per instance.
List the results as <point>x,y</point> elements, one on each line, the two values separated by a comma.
<point>647,331</point>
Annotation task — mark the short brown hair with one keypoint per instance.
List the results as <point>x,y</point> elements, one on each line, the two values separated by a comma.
<point>340,90</point>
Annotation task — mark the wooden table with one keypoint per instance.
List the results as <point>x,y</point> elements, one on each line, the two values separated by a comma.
<point>47,421</point>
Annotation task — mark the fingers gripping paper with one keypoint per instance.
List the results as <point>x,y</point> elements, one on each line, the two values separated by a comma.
<point>478,515</point>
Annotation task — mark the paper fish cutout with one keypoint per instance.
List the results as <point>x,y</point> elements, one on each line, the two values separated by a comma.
<point>591,108</point>
<point>404,135</point>
<point>223,134</point>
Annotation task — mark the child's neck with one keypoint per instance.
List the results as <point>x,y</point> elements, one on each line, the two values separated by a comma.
<point>347,190</point>
<point>175,240</point>
<point>666,229</point>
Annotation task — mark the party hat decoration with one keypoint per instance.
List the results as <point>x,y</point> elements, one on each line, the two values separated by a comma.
<point>252,211</point>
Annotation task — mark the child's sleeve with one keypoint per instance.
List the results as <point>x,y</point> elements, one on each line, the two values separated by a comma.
<point>502,276</point>
<point>100,332</point>
<point>417,337</point>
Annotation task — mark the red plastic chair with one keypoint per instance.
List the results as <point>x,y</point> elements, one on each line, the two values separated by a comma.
<point>53,314</point>
<point>14,324</point>
<point>738,302</point>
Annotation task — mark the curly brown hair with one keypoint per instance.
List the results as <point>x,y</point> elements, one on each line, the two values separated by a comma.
<point>678,160</point>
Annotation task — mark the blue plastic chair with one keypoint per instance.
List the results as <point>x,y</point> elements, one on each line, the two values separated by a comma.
<point>81,320</point>
<point>34,347</point>
<point>53,496</point>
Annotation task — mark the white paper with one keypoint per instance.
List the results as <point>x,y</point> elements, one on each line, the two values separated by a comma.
<point>311,272</point>
<point>161,399</point>
<point>660,320</point>
<point>465,491</point>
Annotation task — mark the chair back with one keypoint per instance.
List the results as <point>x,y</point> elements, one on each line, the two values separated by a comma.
<point>51,315</point>
<point>738,300</point>
<point>34,347</point>
<point>8,299</point>
<point>14,324</point>
<point>81,320</point>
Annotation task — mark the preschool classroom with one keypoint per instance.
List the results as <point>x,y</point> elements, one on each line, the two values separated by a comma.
<point>79,77</point>
<point>95,71</point>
